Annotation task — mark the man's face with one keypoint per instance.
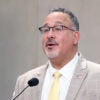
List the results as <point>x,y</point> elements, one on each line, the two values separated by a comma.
<point>59,43</point>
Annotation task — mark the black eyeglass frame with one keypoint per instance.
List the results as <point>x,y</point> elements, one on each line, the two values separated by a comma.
<point>40,28</point>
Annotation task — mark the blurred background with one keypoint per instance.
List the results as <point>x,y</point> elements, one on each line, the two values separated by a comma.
<point>20,40</point>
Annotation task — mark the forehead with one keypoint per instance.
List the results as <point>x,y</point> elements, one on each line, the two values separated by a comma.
<point>57,18</point>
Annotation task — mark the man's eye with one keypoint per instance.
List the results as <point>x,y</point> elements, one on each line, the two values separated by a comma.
<point>46,29</point>
<point>58,28</point>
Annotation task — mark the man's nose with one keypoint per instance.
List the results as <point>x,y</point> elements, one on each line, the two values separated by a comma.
<point>51,34</point>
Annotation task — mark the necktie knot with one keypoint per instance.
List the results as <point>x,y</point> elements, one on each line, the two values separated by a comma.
<point>57,75</point>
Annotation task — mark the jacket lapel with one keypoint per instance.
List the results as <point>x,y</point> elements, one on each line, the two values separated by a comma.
<point>77,79</point>
<point>36,91</point>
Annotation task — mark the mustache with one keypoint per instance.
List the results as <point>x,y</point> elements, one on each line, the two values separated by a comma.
<point>51,41</point>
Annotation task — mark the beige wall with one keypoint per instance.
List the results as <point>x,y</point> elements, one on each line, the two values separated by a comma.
<point>20,48</point>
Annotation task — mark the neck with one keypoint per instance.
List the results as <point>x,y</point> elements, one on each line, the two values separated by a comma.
<point>59,62</point>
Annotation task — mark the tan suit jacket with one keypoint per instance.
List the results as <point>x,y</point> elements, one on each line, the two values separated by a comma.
<point>85,84</point>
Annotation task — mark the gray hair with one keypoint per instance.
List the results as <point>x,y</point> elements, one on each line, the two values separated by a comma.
<point>72,16</point>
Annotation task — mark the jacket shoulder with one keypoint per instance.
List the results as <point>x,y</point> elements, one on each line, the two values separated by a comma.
<point>93,67</point>
<point>30,74</point>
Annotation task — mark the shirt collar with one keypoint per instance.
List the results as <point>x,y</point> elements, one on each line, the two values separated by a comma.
<point>69,67</point>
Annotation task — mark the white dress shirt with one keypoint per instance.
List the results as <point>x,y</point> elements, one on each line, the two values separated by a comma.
<point>67,73</point>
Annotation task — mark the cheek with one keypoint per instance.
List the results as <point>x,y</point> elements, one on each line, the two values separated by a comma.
<point>43,40</point>
<point>67,41</point>
<point>67,38</point>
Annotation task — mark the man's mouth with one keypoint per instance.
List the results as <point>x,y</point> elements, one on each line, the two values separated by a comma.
<point>51,44</point>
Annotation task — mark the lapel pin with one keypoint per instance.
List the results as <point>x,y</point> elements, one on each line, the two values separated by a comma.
<point>78,76</point>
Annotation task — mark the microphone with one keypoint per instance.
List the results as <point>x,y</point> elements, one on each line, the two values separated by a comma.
<point>31,82</point>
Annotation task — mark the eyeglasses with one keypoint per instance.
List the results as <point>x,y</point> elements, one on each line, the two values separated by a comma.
<point>57,28</point>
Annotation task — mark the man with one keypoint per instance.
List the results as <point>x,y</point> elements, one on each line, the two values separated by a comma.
<point>79,78</point>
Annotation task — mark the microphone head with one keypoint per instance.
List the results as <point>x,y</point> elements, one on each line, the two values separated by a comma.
<point>33,82</point>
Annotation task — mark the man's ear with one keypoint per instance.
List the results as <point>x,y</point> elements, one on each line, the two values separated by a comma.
<point>76,36</point>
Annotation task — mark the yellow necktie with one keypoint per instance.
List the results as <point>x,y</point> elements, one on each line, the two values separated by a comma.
<point>54,91</point>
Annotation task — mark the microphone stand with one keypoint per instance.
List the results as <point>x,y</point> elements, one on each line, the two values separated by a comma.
<point>20,92</point>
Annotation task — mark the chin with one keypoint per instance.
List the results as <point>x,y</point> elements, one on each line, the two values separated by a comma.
<point>52,54</point>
